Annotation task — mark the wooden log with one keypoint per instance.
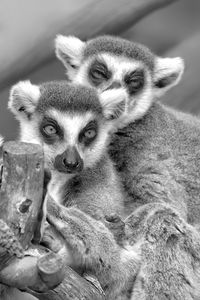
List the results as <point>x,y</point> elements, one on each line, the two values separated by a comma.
<point>21,201</point>
<point>33,273</point>
<point>22,188</point>
<point>73,287</point>
<point>106,16</point>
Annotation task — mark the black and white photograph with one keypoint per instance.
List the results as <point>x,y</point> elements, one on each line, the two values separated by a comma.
<point>100,150</point>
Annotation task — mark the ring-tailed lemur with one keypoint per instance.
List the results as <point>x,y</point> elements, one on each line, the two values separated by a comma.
<point>157,155</point>
<point>73,128</point>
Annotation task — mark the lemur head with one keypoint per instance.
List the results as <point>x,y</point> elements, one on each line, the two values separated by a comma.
<point>68,120</point>
<point>116,66</point>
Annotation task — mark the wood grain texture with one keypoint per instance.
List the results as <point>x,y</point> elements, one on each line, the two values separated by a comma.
<point>34,273</point>
<point>21,201</point>
<point>73,287</point>
<point>98,17</point>
<point>21,196</point>
<point>22,188</point>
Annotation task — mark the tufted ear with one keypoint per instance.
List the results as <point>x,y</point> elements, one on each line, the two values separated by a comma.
<point>23,99</point>
<point>69,50</point>
<point>167,73</point>
<point>114,104</point>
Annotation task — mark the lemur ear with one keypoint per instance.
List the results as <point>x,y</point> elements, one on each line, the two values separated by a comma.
<point>23,99</point>
<point>69,50</point>
<point>1,142</point>
<point>167,73</point>
<point>113,103</point>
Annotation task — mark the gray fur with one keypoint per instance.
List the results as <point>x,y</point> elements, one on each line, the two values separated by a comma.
<point>158,160</point>
<point>67,97</point>
<point>119,47</point>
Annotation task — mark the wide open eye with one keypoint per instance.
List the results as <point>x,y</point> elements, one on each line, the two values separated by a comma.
<point>135,81</point>
<point>49,130</point>
<point>90,133</point>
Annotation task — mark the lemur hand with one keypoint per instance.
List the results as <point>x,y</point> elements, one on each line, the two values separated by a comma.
<point>94,248</point>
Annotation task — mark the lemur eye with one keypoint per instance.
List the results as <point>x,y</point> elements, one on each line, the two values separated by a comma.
<point>135,81</point>
<point>98,72</point>
<point>49,130</point>
<point>90,134</point>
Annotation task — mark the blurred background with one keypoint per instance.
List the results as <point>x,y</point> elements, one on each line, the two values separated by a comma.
<point>28,28</point>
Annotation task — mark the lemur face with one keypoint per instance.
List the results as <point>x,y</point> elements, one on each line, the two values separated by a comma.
<point>71,143</point>
<point>114,66</point>
<point>67,120</point>
<point>111,74</point>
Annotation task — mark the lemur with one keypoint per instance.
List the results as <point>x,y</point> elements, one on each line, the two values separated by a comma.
<point>157,155</point>
<point>73,128</point>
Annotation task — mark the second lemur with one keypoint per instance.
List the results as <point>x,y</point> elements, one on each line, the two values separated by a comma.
<point>157,155</point>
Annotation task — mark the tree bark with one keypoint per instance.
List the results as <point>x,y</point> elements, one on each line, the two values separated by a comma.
<point>73,287</point>
<point>22,188</point>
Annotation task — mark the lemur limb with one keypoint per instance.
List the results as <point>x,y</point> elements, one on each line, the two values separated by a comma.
<point>170,250</point>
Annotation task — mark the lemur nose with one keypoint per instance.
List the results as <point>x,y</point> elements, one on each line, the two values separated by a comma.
<point>69,161</point>
<point>114,85</point>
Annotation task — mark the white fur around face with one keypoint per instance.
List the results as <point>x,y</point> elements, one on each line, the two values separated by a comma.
<point>72,126</point>
<point>29,130</point>
<point>111,98</point>
<point>138,105</point>
<point>116,64</point>
<point>24,94</point>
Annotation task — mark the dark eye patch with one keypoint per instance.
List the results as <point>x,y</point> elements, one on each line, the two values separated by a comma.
<point>98,72</point>
<point>50,139</point>
<point>84,138</point>
<point>135,81</point>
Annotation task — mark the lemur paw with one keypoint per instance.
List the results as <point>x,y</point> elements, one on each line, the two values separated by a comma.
<point>90,240</point>
<point>163,225</point>
<point>9,241</point>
